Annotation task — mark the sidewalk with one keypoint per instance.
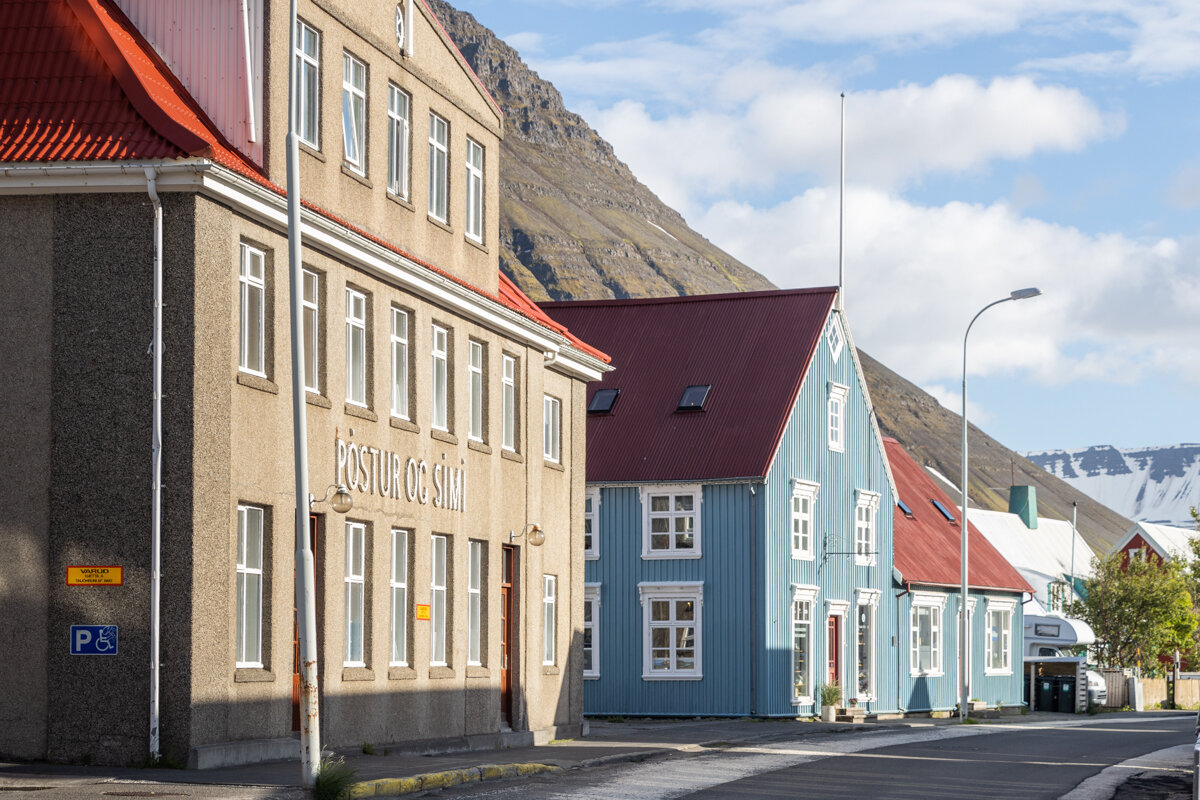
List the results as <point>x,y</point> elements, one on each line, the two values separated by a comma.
<point>385,774</point>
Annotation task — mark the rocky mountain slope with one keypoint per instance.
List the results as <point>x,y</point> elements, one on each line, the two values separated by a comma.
<point>576,224</point>
<point>1151,484</point>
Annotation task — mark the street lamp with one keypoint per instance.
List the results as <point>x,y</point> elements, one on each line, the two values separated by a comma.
<point>963,643</point>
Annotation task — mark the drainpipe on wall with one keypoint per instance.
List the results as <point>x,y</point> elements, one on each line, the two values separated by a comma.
<point>753,605</point>
<point>899,658</point>
<point>156,345</point>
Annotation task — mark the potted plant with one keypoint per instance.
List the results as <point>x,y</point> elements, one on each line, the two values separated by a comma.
<point>831,695</point>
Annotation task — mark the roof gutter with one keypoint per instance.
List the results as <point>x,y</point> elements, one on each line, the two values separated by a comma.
<point>101,176</point>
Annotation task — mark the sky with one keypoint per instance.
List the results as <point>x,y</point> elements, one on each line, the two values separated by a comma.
<point>991,145</point>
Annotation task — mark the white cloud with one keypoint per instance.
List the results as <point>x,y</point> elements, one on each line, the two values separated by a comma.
<point>1184,191</point>
<point>527,43</point>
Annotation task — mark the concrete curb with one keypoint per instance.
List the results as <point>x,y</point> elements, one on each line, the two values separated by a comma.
<point>391,787</point>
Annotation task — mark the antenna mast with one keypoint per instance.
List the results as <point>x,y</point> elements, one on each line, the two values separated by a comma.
<point>842,217</point>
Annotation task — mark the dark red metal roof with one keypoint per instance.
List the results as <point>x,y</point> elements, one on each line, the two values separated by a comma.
<point>753,348</point>
<point>928,545</point>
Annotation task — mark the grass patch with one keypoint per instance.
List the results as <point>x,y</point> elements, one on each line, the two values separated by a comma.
<point>334,778</point>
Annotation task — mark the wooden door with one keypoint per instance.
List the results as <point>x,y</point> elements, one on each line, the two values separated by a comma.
<point>507,626</point>
<point>835,651</point>
<point>312,542</point>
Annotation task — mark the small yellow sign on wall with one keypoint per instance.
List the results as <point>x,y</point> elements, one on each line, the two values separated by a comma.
<point>422,611</point>
<point>95,576</point>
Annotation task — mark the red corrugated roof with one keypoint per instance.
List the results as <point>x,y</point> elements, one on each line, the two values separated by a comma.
<point>927,544</point>
<point>753,348</point>
<point>78,82</point>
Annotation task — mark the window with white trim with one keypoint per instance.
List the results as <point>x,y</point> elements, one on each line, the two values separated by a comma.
<point>671,630</point>
<point>308,84</point>
<point>354,112</point>
<point>437,601</point>
<point>400,384</point>
<point>439,154</point>
<point>310,312</point>
<point>398,141</point>
<point>249,586</point>
<point>551,429</point>
<point>508,410</point>
<point>441,378</point>
<point>252,285</point>
<point>804,599</point>
<point>837,416</point>
<point>926,634</point>
<point>868,602</point>
<point>474,218</point>
<point>356,347</point>
<point>549,618</point>
<point>835,339</point>
<point>474,603</point>
<point>398,586</point>
<point>865,505</point>
<point>591,627</point>
<point>998,653</point>
<point>591,521</point>
<point>803,505</point>
<point>671,521</point>
<point>476,388</point>
<point>355,581</point>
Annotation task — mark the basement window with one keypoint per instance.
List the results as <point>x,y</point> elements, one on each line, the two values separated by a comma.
<point>694,397</point>
<point>603,401</point>
<point>942,509</point>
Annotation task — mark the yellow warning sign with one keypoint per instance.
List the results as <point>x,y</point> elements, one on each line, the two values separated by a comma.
<point>422,611</point>
<point>95,576</point>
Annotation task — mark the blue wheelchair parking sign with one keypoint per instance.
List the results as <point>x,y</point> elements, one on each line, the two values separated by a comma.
<point>93,640</point>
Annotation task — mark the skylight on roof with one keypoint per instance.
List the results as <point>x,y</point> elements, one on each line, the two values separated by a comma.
<point>694,397</point>
<point>942,509</point>
<point>603,400</point>
<point>904,507</point>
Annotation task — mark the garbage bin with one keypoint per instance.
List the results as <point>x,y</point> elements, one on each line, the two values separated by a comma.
<point>1066,694</point>
<point>1046,687</point>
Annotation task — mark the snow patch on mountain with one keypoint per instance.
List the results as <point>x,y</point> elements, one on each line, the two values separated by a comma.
<point>1149,484</point>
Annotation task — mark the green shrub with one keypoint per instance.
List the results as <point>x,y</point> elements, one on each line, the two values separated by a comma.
<point>831,694</point>
<point>334,778</point>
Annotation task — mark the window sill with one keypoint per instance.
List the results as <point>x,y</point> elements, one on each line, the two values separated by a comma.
<point>400,201</point>
<point>803,556</point>
<point>671,677</point>
<point>402,674</point>
<point>478,671</point>
<point>836,449</point>
<point>443,436</point>
<point>479,447</point>
<point>437,223</point>
<point>802,701</point>
<point>657,555</point>
<point>317,400</point>
<point>859,563</point>
<point>512,455</point>
<point>926,674</point>
<point>555,465</point>
<point>996,672</point>
<point>361,412</point>
<point>480,246</point>
<point>440,673</point>
<point>358,674</point>
<point>550,669</point>
<point>591,676</point>
<point>404,425</point>
<point>305,147</point>
<point>257,382</point>
<point>253,675</point>
<point>591,556</point>
<point>349,172</point>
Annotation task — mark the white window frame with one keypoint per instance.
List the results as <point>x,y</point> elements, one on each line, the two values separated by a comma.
<point>672,591</point>
<point>1007,610</point>
<point>356,348</point>
<point>398,590</point>
<point>475,388</point>
<point>549,620</point>
<point>836,426</point>
<point>591,602</point>
<point>868,599</point>
<point>440,354</point>
<point>439,167</point>
<point>249,582</point>
<point>474,213</point>
<point>935,605</point>
<point>835,338</point>
<point>804,596</point>
<point>801,522</point>
<point>354,113</point>
<point>508,412</point>
<point>439,579</point>
<point>591,524</point>
<point>356,607</point>
<point>552,429</point>
<point>399,112</point>
<point>311,314</point>
<point>475,603</point>
<point>308,84</point>
<point>673,491</point>
<point>866,508</point>
<point>399,347</point>
<point>252,295</point>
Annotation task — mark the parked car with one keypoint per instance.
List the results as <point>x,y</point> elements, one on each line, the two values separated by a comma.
<point>1097,688</point>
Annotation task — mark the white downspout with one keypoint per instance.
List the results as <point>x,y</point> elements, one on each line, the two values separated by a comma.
<point>156,346</point>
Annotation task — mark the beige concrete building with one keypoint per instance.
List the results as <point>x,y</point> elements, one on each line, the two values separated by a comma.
<point>446,403</point>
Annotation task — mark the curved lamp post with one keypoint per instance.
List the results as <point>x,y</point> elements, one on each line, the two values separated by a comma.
<point>963,629</point>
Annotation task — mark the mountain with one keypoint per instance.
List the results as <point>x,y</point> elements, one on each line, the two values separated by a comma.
<point>577,224</point>
<point>1150,484</point>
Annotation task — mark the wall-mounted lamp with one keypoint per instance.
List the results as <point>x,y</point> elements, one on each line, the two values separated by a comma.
<point>535,538</point>
<point>342,501</point>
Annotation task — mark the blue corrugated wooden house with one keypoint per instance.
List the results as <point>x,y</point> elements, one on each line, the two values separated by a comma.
<point>739,510</point>
<point>928,574</point>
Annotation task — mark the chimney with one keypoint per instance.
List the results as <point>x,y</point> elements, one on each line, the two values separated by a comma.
<point>1022,501</point>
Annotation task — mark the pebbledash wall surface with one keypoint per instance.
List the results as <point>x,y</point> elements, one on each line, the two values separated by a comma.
<point>403,288</point>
